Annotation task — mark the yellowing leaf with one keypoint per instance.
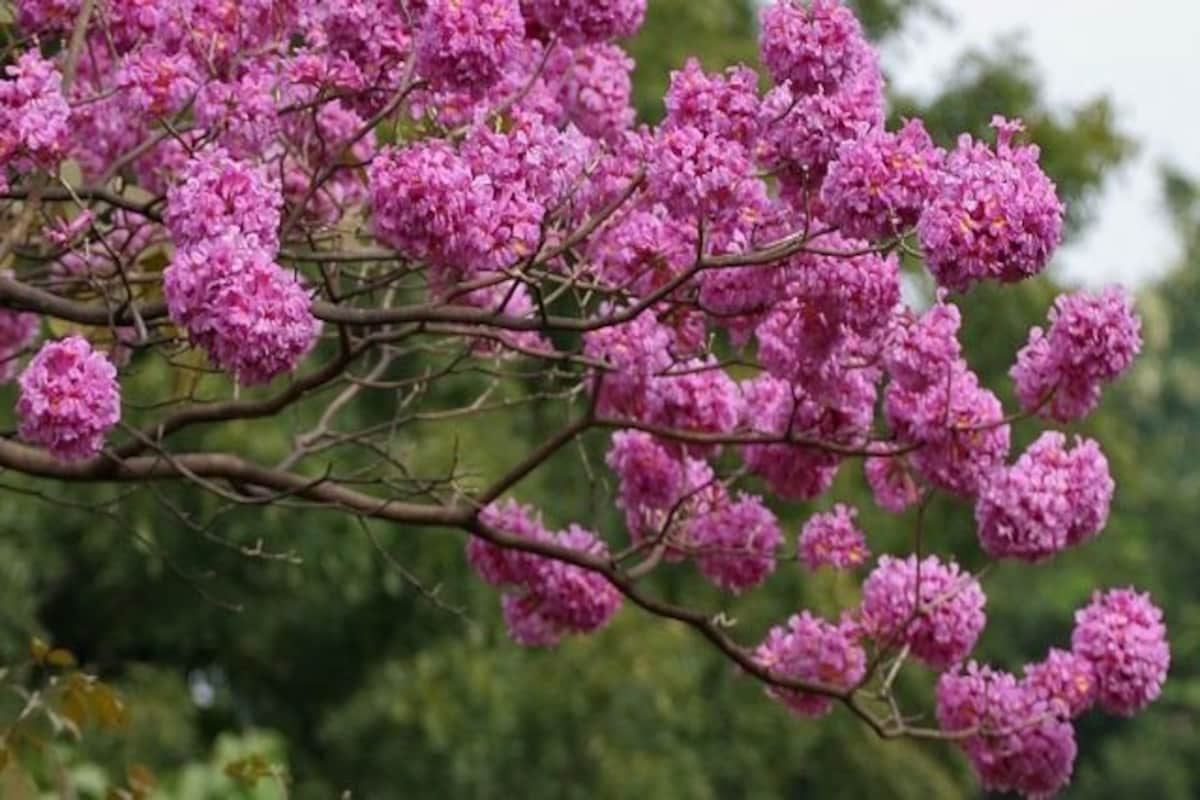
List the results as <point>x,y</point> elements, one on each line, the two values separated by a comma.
<point>249,770</point>
<point>75,706</point>
<point>58,657</point>
<point>38,649</point>
<point>108,707</point>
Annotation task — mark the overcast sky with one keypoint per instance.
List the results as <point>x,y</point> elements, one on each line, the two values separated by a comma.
<point>1145,56</point>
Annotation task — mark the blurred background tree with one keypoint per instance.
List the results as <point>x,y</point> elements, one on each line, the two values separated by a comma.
<point>365,659</point>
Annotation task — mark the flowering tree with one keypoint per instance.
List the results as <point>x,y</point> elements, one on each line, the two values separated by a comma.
<point>287,204</point>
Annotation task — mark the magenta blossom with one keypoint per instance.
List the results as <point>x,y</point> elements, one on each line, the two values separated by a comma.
<point>810,649</point>
<point>69,399</point>
<point>1122,634</point>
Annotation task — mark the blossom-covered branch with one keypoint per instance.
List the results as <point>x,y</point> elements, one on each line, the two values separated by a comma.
<point>380,218</point>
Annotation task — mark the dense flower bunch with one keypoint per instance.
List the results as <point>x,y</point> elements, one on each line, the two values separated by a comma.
<point>651,476</point>
<point>465,45</point>
<point>1066,679</point>
<point>216,193</point>
<point>1122,635</point>
<point>251,315</point>
<point>923,351</point>
<point>830,302</point>
<point>933,608</point>
<point>34,115</point>
<point>1018,732</point>
<point>723,105</point>
<point>582,21</point>
<point>69,399</point>
<point>736,543</point>
<point>785,411</point>
<point>892,482</point>
<point>957,426</point>
<point>1018,741</point>
<point>429,204</point>
<point>155,83</point>
<point>801,133</point>
<point>464,179</point>
<point>880,184</point>
<point>831,539</point>
<point>1093,338</point>
<point>1051,499</point>
<point>811,649</point>
<point>813,45</point>
<point>995,214</point>
<point>595,89</point>
<point>546,599</point>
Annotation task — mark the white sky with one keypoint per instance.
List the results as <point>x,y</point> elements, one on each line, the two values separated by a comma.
<point>1145,56</point>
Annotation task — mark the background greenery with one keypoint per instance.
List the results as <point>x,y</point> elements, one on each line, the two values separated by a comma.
<point>328,664</point>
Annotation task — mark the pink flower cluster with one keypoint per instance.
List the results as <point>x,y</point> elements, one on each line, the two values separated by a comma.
<point>251,315</point>
<point>545,599</point>
<point>933,608</point>
<point>722,105</point>
<point>646,383</point>
<point>1018,732</point>
<point>474,210</point>
<point>832,539</point>
<point>995,215</point>
<point>216,194</point>
<point>814,45</point>
<point>919,352</point>
<point>651,475</point>
<point>1018,742</point>
<point>223,286</point>
<point>815,651</point>
<point>662,512</point>
<point>735,543</point>
<point>1093,338</point>
<point>428,204</point>
<point>39,15</point>
<point>1065,680</point>
<point>1121,633</point>
<point>880,183</point>
<point>643,249</point>
<point>677,501</point>
<point>69,399</point>
<point>155,84</point>
<point>957,427</point>
<point>243,115</point>
<point>738,298</point>
<point>831,299</point>
<point>465,44</point>
<point>584,21</point>
<point>34,115</point>
<point>786,411</point>
<point>595,90</point>
<point>1051,499</point>
<point>892,483</point>
<point>698,174</point>
<point>801,133</point>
